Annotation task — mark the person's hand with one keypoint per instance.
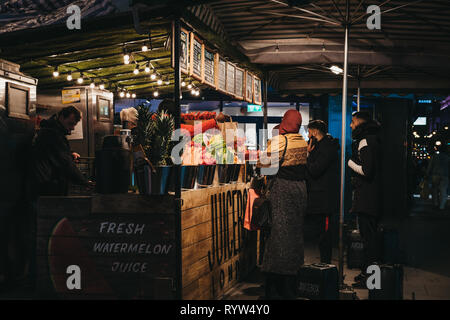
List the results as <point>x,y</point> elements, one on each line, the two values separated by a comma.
<point>310,146</point>
<point>75,156</point>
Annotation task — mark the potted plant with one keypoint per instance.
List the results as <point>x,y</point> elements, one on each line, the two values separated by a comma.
<point>153,133</point>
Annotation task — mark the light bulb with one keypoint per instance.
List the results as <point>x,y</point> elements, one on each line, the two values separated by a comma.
<point>122,94</point>
<point>147,69</point>
<point>189,86</point>
<point>144,48</point>
<point>126,61</point>
<point>128,95</point>
<point>133,95</point>
<point>92,85</point>
<point>56,72</point>
<point>136,70</point>
<point>183,84</point>
<point>69,77</point>
<point>101,86</point>
<point>80,80</point>
<point>126,57</point>
<point>153,76</point>
<point>159,82</point>
<point>167,82</point>
<point>155,93</point>
<point>193,92</point>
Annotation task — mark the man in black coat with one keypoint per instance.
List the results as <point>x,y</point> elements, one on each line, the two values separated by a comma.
<point>323,184</point>
<point>366,167</point>
<point>53,164</point>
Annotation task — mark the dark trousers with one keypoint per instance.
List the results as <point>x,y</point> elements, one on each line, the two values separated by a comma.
<point>322,225</point>
<point>368,229</point>
<point>280,286</point>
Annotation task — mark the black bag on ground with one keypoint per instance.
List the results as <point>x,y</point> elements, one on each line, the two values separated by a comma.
<point>388,245</point>
<point>391,283</point>
<point>355,250</point>
<point>262,209</point>
<point>318,281</point>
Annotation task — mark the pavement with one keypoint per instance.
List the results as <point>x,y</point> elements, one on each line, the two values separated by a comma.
<point>424,244</point>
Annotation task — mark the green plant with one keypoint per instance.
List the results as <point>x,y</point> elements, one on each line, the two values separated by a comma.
<point>154,133</point>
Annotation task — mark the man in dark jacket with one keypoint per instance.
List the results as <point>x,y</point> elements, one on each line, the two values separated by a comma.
<point>53,164</point>
<point>323,184</point>
<point>365,164</point>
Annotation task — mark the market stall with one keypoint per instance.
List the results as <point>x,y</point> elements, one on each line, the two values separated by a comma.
<point>154,228</point>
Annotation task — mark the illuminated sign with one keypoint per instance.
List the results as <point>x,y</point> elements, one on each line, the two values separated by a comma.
<point>254,108</point>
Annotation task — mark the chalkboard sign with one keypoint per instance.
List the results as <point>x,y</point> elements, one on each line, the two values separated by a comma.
<point>257,91</point>
<point>184,55</point>
<point>209,69</point>
<point>196,57</point>
<point>248,87</point>
<point>221,75</point>
<point>120,255</point>
<point>18,101</point>
<point>239,84</point>
<point>231,69</point>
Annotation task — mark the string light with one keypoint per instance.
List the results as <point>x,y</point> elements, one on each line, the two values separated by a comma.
<point>122,94</point>
<point>189,86</point>
<point>167,81</point>
<point>193,92</point>
<point>128,95</point>
<point>155,93</point>
<point>136,69</point>
<point>80,79</point>
<point>92,85</point>
<point>183,84</point>
<point>153,76</point>
<point>147,67</point>
<point>55,72</point>
<point>69,76</point>
<point>133,95</point>
<point>101,86</point>
<point>159,82</point>
<point>144,48</point>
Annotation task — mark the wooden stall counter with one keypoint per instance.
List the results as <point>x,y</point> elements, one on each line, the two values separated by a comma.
<point>123,246</point>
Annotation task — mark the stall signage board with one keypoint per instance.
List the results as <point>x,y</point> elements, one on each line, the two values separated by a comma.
<point>120,255</point>
<point>248,87</point>
<point>222,75</point>
<point>196,58</point>
<point>184,55</point>
<point>71,96</point>
<point>257,90</point>
<point>239,84</point>
<point>209,67</point>
<point>231,78</point>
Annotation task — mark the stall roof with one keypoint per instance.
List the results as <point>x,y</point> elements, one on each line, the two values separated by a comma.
<point>298,40</point>
<point>97,49</point>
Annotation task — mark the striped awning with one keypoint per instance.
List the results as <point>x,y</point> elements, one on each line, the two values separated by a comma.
<point>24,14</point>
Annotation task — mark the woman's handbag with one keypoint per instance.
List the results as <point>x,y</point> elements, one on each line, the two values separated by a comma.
<point>262,209</point>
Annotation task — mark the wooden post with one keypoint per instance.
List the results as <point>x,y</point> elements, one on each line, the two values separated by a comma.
<point>177,115</point>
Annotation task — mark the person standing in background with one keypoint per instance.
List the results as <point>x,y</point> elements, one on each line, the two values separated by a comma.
<point>438,171</point>
<point>366,166</point>
<point>323,185</point>
<point>52,165</point>
<point>284,250</point>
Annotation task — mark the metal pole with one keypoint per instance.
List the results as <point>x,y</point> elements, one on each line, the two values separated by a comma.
<point>266,75</point>
<point>358,99</point>
<point>177,93</point>
<point>343,135</point>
